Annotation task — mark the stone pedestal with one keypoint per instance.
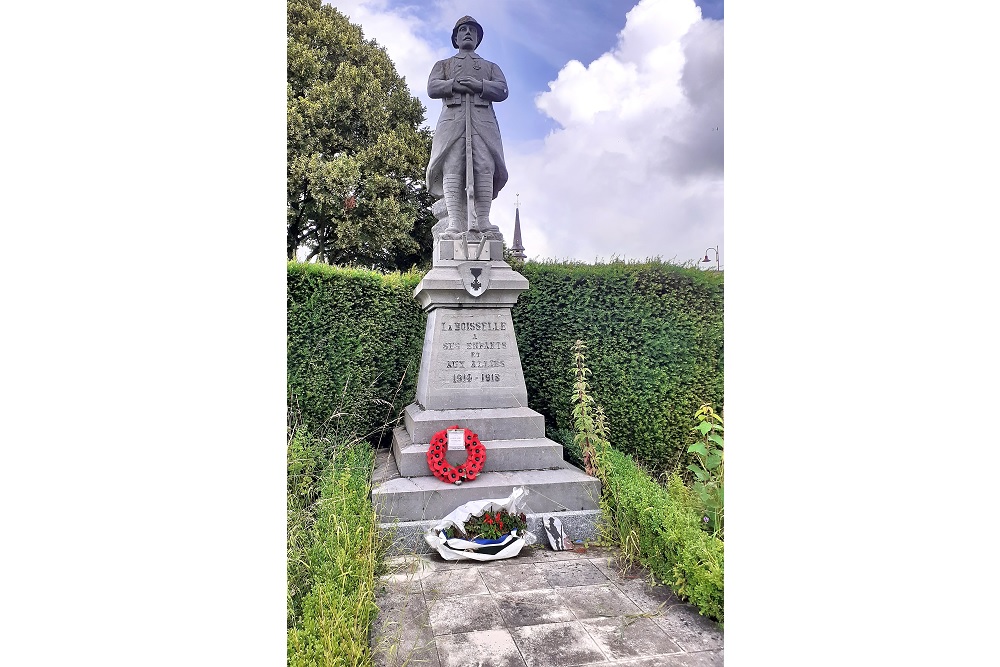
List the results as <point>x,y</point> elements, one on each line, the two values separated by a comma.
<point>471,375</point>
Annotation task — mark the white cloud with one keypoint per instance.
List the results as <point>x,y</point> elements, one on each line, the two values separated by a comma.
<point>636,168</point>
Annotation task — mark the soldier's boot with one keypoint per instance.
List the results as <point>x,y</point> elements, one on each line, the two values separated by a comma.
<point>453,192</point>
<point>484,200</point>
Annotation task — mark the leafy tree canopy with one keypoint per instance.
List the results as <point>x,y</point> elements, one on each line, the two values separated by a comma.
<point>356,158</point>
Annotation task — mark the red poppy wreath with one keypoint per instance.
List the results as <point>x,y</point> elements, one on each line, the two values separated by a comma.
<point>445,471</point>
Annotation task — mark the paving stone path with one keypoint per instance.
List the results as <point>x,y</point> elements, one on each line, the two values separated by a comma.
<point>542,608</point>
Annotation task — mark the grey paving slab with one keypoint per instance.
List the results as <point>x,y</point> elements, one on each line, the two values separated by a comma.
<point>706,659</point>
<point>539,608</point>
<point>455,615</point>
<point>689,629</point>
<point>453,582</point>
<point>634,583</point>
<point>542,554</point>
<point>551,644</point>
<point>406,568</point>
<point>565,573</point>
<point>629,637</point>
<point>485,648</point>
<point>440,564</point>
<point>533,608</point>
<point>608,563</point>
<point>514,577</point>
<point>402,628</point>
<point>597,601</point>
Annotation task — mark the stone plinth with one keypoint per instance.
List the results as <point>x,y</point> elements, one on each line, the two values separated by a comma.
<point>471,376</point>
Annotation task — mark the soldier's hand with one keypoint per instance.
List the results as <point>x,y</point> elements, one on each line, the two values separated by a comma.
<point>469,84</point>
<point>475,84</point>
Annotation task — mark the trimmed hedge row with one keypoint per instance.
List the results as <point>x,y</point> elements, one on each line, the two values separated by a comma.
<point>351,332</point>
<point>654,333</point>
<point>661,527</point>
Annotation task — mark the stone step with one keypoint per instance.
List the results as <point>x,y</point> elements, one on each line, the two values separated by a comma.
<point>527,454</point>
<point>407,537</point>
<point>488,424</point>
<point>566,488</point>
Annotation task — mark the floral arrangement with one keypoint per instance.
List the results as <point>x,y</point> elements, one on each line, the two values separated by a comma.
<point>446,472</point>
<point>490,526</point>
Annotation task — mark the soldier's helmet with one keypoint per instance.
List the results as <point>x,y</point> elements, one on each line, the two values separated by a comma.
<point>466,19</point>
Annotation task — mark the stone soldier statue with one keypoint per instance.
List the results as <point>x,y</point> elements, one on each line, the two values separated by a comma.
<point>468,86</point>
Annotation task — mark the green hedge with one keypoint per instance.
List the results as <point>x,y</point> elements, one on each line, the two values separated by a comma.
<point>351,332</point>
<point>661,528</point>
<point>654,335</point>
<point>653,330</point>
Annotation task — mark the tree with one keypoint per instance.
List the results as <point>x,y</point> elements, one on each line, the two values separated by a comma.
<point>356,158</point>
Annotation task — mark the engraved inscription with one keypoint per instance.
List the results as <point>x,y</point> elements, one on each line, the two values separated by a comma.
<point>476,349</point>
<point>473,326</point>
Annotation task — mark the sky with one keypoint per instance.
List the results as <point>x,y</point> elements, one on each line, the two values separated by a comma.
<point>613,130</point>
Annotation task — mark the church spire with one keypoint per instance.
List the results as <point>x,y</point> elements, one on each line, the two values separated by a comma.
<point>517,250</point>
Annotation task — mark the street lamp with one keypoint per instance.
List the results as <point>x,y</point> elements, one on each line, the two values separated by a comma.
<point>718,266</point>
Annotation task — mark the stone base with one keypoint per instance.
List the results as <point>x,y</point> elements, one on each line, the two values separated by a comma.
<point>407,537</point>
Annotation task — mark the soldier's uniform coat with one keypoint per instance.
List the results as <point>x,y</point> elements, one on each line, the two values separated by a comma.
<point>450,133</point>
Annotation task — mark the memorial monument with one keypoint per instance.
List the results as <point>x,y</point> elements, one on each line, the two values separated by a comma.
<point>470,369</point>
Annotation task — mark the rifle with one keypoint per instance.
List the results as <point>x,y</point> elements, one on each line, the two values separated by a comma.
<point>470,193</point>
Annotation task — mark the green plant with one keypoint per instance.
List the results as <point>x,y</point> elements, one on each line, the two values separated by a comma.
<point>588,417</point>
<point>571,450</point>
<point>709,471</point>
<point>661,529</point>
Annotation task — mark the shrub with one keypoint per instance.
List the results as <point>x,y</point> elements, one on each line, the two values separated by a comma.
<point>660,528</point>
<point>350,330</point>
<point>654,333</point>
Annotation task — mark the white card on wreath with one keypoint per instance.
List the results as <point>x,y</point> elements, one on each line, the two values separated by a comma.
<point>456,439</point>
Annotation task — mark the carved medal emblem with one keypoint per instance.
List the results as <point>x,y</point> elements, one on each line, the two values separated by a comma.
<point>475,277</point>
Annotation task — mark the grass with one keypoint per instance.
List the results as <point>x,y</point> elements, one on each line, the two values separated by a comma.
<point>335,553</point>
